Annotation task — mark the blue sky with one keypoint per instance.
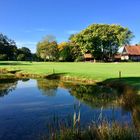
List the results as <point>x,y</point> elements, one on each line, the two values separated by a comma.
<point>28,21</point>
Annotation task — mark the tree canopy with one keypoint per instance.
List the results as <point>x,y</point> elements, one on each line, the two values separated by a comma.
<point>68,51</point>
<point>24,54</point>
<point>47,49</point>
<point>8,48</point>
<point>102,40</point>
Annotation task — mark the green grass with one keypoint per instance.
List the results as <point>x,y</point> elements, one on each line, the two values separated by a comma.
<point>87,70</point>
<point>95,71</point>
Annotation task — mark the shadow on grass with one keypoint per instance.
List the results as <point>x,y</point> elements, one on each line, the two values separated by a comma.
<point>132,81</point>
<point>14,71</point>
<point>14,63</point>
<point>55,76</point>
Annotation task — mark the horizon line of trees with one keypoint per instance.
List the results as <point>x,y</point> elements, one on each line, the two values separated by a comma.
<point>10,51</point>
<point>100,40</point>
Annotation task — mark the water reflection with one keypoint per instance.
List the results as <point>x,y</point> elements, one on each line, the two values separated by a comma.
<point>99,95</point>
<point>7,85</point>
<point>33,105</point>
<point>25,80</point>
<point>48,87</point>
<point>102,96</point>
<point>96,96</point>
<point>130,100</point>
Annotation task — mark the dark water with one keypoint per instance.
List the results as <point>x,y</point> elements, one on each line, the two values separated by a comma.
<point>27,107</point>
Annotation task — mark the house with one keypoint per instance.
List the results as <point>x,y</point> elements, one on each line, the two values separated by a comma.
<point>88,57</point>
<point>131,53</point>
<point>117,57</point>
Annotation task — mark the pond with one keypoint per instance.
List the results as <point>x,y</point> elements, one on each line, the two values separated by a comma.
<point>28,107</point>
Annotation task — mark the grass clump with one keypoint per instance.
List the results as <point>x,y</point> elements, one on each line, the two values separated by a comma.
<point>94,132</point>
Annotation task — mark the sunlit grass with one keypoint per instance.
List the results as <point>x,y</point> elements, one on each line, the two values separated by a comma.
<point>82,69</point>
<point>87,70</point>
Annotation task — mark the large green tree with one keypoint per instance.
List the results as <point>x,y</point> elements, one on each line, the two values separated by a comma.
<point>102,40</point>
<point>8,48</point>
<point>47,49</point>
<point>68,51</point>
<point>24,54</point>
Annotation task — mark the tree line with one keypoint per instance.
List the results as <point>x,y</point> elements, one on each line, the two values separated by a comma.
<point>100,40</point>
<point>9,50</point>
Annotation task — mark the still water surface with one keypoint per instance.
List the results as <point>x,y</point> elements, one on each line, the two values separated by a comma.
<point>28,106</point>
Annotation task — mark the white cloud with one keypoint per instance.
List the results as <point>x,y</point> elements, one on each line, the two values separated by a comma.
<point>29,44</point>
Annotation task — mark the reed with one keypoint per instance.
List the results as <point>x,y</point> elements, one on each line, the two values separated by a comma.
<point>97,130</point>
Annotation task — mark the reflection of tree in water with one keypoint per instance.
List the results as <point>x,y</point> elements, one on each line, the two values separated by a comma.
<point>25,79</point>
<point>94,95</point>
<point>7,85</point>
<point>101,95</point>
<point>130,101</point>
<point>48,87</point>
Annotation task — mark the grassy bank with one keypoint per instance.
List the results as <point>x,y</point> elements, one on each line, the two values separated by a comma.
<point>130,72</point>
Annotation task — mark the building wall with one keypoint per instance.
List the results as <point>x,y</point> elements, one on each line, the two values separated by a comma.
<point>132,57</point>
<point>124,57</point>
<point>135,58</point>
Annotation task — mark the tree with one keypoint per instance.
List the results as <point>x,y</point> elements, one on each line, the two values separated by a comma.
<point>21,57</point>
<point>8,48</point>
<point>24,54</point>
<point>70,37</point>
<point>68,51</point>
<point>48,49</point>
<point>65,51</point>
<point>34,57</point>
<point>102,40</point>
<point>49,38</point>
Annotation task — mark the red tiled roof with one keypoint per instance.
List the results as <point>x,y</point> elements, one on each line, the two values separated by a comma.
<point>133,50</point>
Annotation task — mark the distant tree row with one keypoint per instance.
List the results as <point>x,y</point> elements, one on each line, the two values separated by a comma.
<point>49,50</point>
<point>102,41</point>
<point>9,50</point>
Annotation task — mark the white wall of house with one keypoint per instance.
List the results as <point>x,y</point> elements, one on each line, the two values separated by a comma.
<point>125,57</point>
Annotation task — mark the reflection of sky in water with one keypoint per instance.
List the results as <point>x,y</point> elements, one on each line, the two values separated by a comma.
<point>22,84</point>
<point>26,112</point>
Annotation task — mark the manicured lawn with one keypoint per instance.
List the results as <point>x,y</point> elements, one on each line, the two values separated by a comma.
<point>87,70</point>
<point>95,71</point>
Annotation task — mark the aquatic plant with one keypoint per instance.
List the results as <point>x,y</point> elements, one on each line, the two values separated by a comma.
<point>97,130</point>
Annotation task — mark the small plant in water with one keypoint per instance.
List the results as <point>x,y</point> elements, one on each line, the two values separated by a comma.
<point>76,118</point>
